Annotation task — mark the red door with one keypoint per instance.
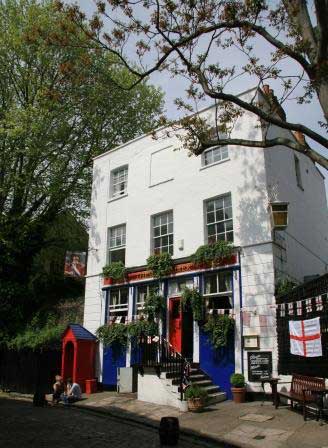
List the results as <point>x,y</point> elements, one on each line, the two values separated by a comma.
<point>175,324</point>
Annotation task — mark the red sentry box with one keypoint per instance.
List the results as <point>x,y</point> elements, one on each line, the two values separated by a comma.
<point>90,386</point>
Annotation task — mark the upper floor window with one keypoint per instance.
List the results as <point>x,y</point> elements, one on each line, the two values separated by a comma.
<point>162,233</point>
<point>219,221</point>
<point>298,172</point>
<point>116,243</point>
<point>119,182</point>
<point>214,155</point>
<point>118,305</point>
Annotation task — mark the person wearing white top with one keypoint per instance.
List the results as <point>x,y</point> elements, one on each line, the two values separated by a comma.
<point>73,392</point>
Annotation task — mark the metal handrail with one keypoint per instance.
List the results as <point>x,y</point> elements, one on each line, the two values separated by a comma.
<point>156,352</point>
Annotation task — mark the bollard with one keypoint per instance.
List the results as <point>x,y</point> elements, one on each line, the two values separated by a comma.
<point>169,431</point>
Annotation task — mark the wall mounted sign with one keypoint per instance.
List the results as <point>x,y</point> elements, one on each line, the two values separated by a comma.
<point>259,365</point>
<point>251,341</point>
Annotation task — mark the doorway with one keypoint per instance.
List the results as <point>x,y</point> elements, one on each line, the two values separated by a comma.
<point>180,328</point>
<point>69,360</point>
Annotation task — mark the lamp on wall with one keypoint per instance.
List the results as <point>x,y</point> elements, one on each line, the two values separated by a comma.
<point>279,215</point>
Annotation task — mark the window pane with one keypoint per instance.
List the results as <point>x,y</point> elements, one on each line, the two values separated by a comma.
<point>210,284</point>
<point>216,154</point>
<point>210,218</point>
<point>163,233</point>
<point>117,255</point>
<point>224,281</point>
<point>222,218</point>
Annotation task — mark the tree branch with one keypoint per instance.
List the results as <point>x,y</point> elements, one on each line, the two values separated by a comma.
<point>267,143</point>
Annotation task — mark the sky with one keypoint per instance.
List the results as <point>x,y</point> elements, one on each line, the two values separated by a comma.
<point>307,114</point>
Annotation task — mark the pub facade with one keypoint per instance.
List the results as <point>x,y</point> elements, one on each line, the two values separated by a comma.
<point>150,197</point>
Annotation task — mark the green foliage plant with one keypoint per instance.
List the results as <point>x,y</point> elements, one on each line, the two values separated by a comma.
<point>142,327</point>
<point>60,107</point>
<point>113,335</point>
<point>192,297</point>
<point>154,304</point>
<point>214,252</point>
<point>115,270</point>
<point>285,286</point>
<point>237,380</point>
<point>219,328</point>
<point>194,391</point>
<point>161,265</point>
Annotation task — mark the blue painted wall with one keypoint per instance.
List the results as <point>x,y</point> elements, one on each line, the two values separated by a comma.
<point>219,364</point>
<point>111,362</point>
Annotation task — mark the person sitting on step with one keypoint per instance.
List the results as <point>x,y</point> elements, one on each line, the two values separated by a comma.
<point>73,392</point>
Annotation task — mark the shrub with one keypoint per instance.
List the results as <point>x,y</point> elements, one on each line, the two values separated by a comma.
<point>219,328</point>
<point>154,304</point>
<point>113,335</point>
<point>193,297</point>
<point>142,327</point>
<point>115,270</point>
<point>237,380</point>
<point>195,391</point>
<point>161,265</point>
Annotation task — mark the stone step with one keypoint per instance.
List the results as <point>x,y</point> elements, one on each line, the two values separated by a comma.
<point>203,382</point>
<point>211,389</point>
<point>216,398</point>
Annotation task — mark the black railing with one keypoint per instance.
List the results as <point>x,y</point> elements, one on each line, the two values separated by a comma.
<point>157,353</point>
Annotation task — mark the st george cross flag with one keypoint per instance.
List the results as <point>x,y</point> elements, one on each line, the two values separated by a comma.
<point>305,337</point>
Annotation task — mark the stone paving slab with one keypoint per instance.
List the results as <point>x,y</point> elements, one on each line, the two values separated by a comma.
<point>256,418</point>
<point>272,428</point>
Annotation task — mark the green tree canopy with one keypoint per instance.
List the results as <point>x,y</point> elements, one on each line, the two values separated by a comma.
<point>59,107</point>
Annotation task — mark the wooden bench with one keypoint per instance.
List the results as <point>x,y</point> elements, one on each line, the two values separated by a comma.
<point>304,390</point>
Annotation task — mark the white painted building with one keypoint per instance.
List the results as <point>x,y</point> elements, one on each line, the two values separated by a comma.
<point>151,194</point>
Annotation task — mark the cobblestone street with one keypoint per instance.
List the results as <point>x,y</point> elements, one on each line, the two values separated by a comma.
<point>22,425</point>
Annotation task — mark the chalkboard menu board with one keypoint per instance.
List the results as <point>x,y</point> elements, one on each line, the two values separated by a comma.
<point>259,365</point>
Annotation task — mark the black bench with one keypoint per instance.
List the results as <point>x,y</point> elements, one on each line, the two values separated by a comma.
<point>305,390</point>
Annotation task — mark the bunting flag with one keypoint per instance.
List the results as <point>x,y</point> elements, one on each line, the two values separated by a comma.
<point>305,337</point>
<point>308,304</point>
<point>291,309</point>
<point>299,309</point>
<point>282,310</point>
<point>318,303</point>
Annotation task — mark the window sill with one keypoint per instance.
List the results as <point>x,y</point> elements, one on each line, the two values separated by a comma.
<point>213,164</point>
<point>162,182</point>
<point>117,197</point>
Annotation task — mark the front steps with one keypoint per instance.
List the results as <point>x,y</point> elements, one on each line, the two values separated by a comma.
<point>199,377</point>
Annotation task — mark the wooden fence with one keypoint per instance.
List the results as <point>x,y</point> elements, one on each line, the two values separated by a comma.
<point>26,370</point>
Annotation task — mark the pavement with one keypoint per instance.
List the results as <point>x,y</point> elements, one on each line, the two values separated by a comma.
<point>248,425</point>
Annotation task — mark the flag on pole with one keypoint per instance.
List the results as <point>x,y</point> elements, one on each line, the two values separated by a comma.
<point>305,337</point>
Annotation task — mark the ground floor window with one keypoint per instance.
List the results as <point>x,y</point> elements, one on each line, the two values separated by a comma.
<point>142,292</point>
<point>118,305</point>
<point>176,286</point>
<point>218,292</point>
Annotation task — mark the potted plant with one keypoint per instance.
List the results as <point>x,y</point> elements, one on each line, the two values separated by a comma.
<point>238,389</point>
<point>196,398</point>
<point>113,271</point>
